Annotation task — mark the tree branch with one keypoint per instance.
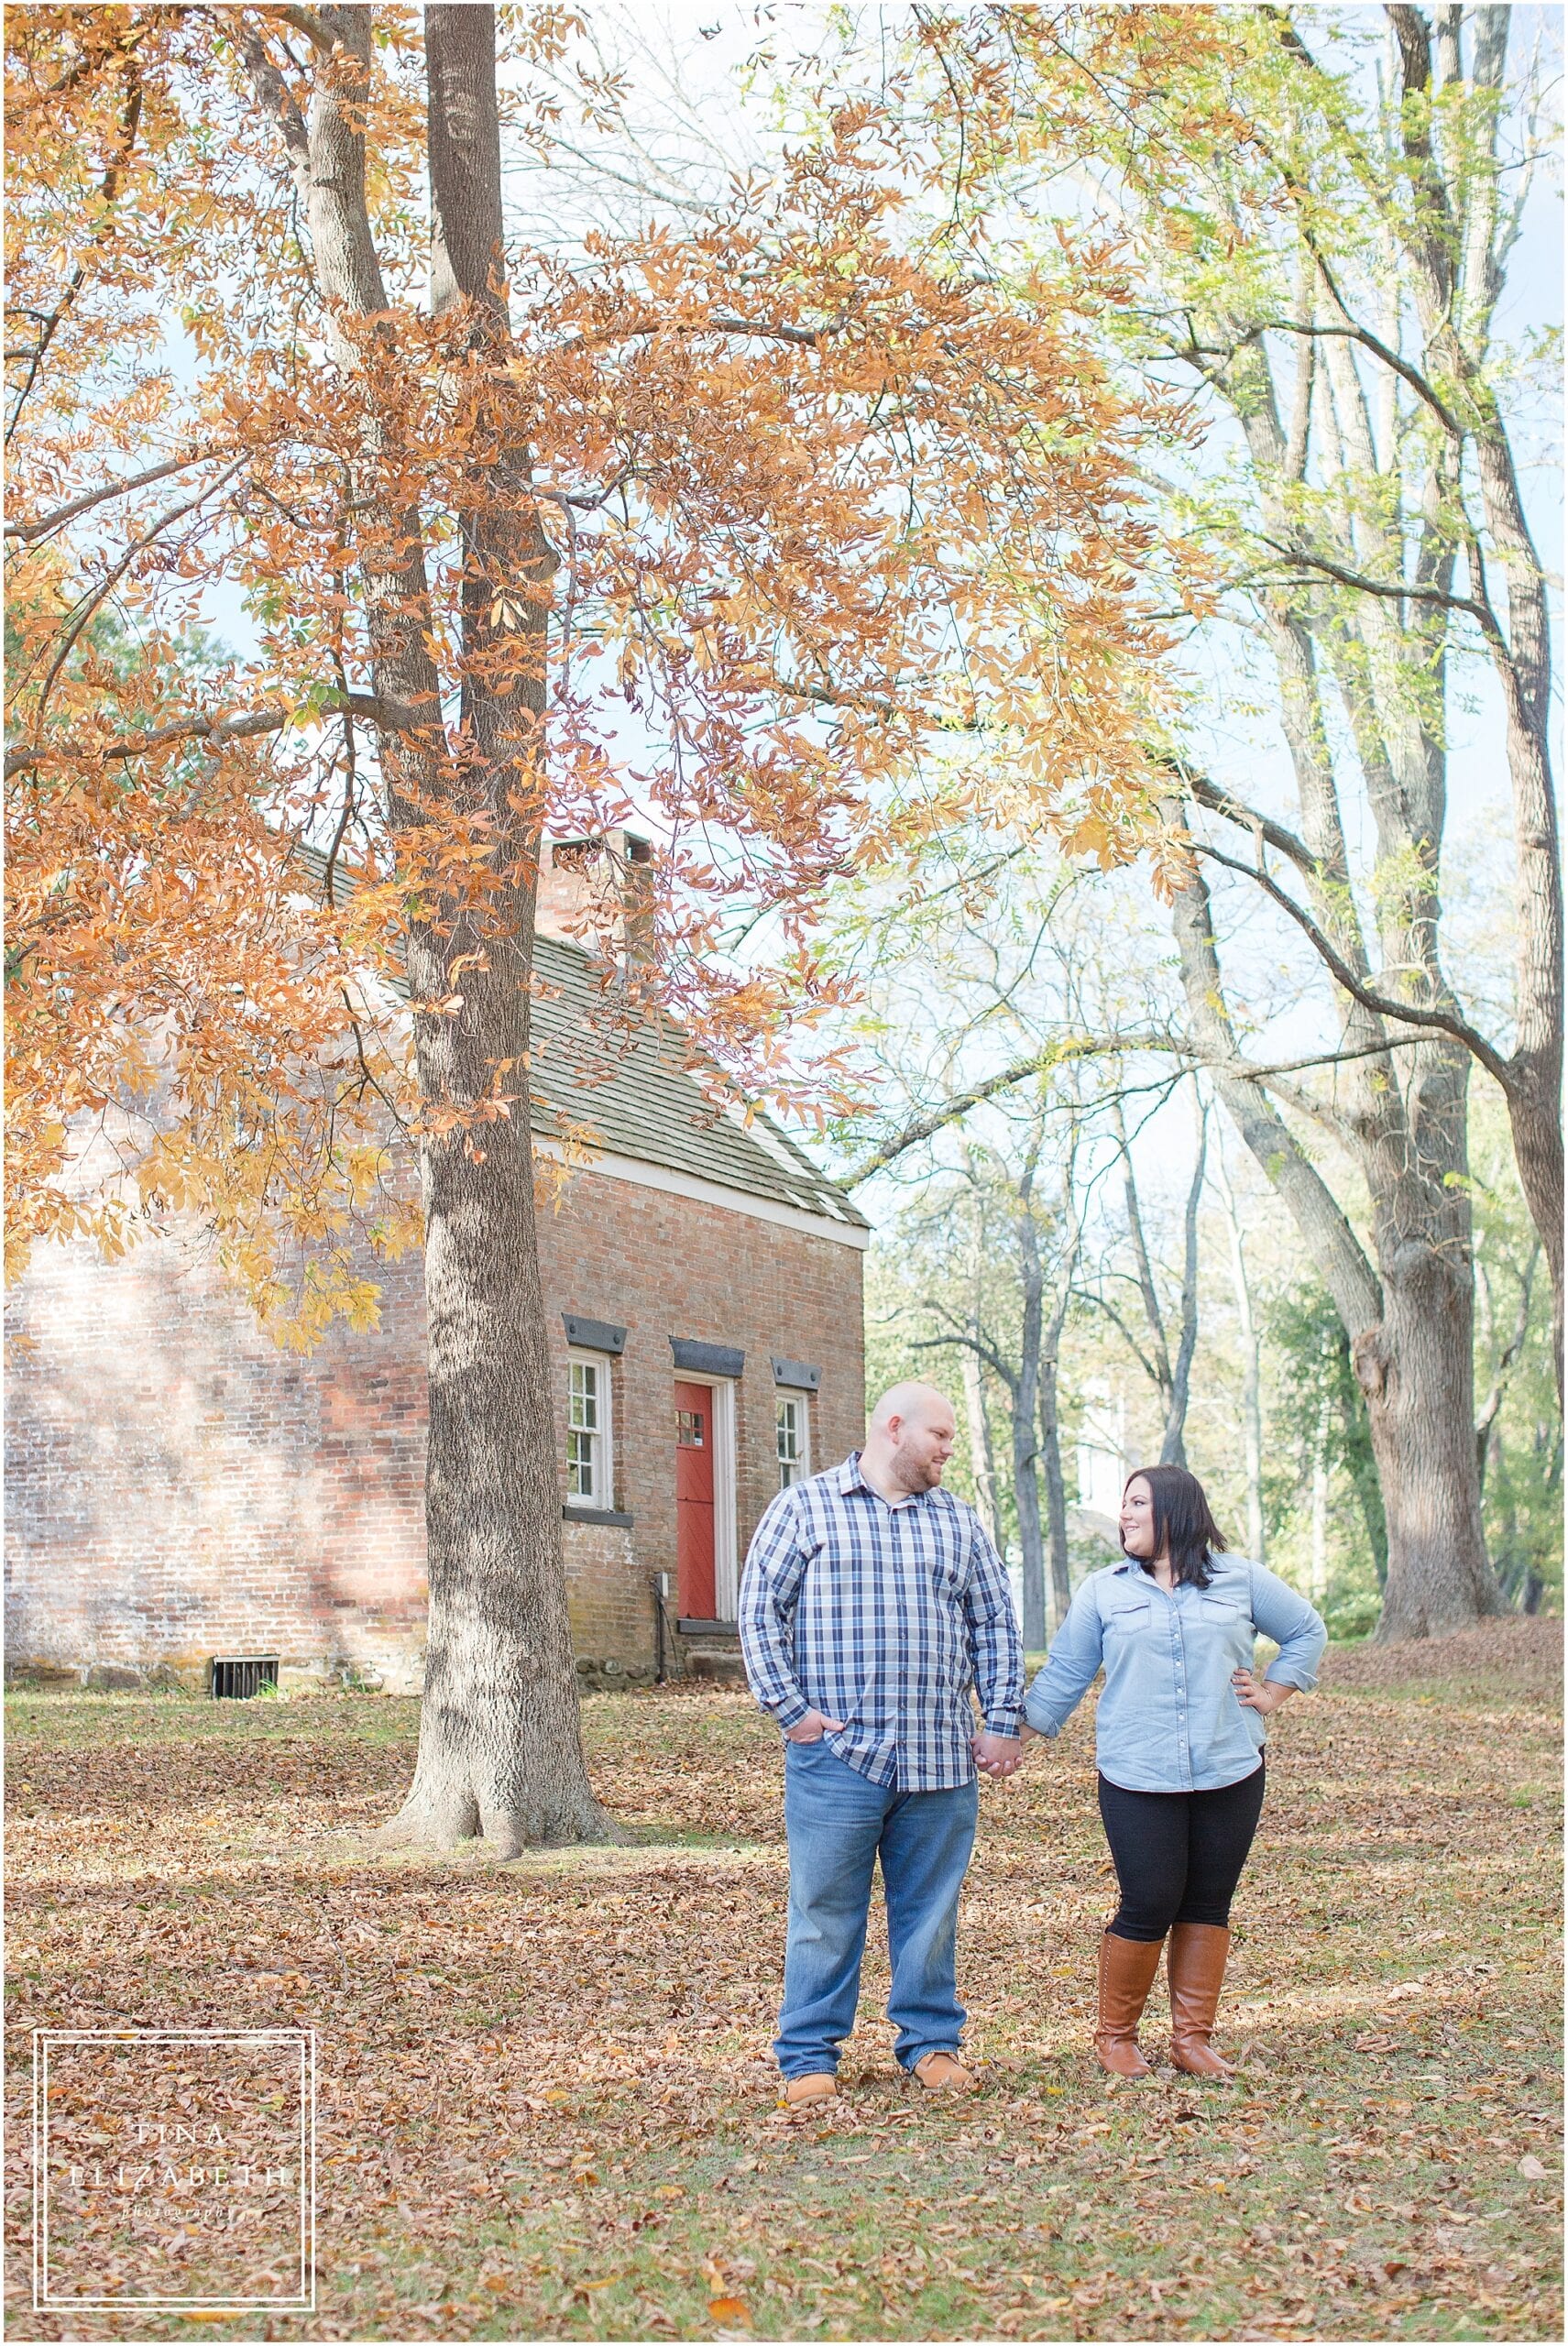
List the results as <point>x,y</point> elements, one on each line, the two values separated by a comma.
<point>1091,1295</point>
<point>1394,590</point>
<point>973,1344</point>
<point>215,731</point>
<point>1369,341</point>
<point>44,525</point>
<point>1442,1021</point>
<point>1247,818</point>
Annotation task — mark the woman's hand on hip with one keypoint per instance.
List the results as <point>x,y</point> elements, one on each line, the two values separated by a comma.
<point>1262,1694</point>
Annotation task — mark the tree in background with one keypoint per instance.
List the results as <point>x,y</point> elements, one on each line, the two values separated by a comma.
<point>1352,344</point>
<point>1009,1199</point>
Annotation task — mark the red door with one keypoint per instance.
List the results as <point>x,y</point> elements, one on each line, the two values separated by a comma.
<point>694,1503</point>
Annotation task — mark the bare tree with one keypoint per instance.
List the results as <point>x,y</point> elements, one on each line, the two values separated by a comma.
<point>1169,1373</point>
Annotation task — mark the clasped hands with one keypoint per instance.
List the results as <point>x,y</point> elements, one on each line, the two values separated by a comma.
<point>1001,1755</point>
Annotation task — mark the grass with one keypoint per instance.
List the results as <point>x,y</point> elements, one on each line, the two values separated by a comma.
<point>546,2106</point>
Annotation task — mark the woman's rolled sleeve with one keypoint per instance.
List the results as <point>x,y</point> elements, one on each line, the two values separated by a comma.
<point>1296,1626</point>
<point>1069,1668</point>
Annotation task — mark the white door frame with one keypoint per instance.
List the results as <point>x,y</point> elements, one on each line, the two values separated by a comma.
<point>726,1559</point>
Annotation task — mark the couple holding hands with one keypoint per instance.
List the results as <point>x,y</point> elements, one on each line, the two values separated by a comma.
<point>873,1608</point>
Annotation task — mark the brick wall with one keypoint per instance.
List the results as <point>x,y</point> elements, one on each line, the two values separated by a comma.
<point>178,1488</point>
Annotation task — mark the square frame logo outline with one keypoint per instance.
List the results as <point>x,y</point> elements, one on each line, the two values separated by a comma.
<point>303,2042</point>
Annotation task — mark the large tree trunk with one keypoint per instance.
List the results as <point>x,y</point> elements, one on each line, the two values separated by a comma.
<point>1521,642</point>
<point>500,1744</point>
<point>499,1750</point>
<point>1416,1369</point>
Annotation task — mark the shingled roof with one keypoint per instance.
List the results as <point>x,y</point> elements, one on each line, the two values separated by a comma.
<point>634,1091</point>
<point>620,1085</point>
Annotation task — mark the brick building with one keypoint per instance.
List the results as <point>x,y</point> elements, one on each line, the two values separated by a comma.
<point>179,1491</point>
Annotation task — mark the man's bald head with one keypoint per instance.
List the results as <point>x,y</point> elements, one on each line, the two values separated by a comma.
<point>909,1440</point>
<point>909,1399</point>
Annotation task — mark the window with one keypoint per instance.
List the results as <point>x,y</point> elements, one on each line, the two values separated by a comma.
<point>793,1439</point>
<point>589,1473</point>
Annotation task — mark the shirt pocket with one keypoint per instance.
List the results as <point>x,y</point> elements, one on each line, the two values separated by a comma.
<point>1230,1625</point>
<point>1126,1620</point>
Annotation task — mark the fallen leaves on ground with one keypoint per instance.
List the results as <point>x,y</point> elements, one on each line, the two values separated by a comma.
<point>546,2106</point>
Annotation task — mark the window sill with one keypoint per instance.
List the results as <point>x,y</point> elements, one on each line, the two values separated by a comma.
<point>571,1513</point>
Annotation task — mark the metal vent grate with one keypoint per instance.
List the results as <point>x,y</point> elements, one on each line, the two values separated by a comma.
<point>237,1676</point>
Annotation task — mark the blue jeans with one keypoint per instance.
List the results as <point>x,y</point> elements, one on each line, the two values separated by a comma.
<point>838,1824</point>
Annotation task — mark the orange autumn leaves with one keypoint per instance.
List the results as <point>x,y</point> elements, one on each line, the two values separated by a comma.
<point>817,495</point>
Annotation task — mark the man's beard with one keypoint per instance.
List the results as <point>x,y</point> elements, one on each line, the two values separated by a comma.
<point>913,1474</point>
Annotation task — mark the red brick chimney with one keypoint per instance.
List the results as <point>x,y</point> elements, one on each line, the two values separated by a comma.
<point>593,891</point>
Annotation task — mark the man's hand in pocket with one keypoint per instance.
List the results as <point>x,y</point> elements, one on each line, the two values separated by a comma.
<point>812,1728</point>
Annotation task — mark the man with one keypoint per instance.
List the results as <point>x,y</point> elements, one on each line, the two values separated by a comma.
<point>871,1604</point>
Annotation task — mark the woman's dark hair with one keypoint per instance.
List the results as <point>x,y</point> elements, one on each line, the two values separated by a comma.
<point>1182,1523</point>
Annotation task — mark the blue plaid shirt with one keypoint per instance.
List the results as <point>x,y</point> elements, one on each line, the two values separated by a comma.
<point>885,1618</point>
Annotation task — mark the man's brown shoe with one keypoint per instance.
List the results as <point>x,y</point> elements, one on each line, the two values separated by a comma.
<point>821,2086</point>
<point>1128,1967</point>
<point>943,2073</point>
<point>1196,1966</point>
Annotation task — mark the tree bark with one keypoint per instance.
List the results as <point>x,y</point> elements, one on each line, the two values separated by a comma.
<point>500,1748</point>
<point>1416,1369</point>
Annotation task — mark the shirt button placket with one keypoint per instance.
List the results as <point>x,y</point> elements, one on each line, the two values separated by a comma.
<point>1181,1702</point>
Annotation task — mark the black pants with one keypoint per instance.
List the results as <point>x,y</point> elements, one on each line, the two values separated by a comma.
<point>1178,1855</point>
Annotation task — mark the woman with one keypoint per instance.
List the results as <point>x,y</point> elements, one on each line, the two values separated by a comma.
<point>1179,1739</point>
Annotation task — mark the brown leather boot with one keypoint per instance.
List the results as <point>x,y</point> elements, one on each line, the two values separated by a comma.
<point>1128,1967</point>
<point>1195,1966</point>
<point>821,2085</point>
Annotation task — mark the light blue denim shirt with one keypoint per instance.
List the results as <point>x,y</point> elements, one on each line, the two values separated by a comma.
<point>1169,1719</point>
